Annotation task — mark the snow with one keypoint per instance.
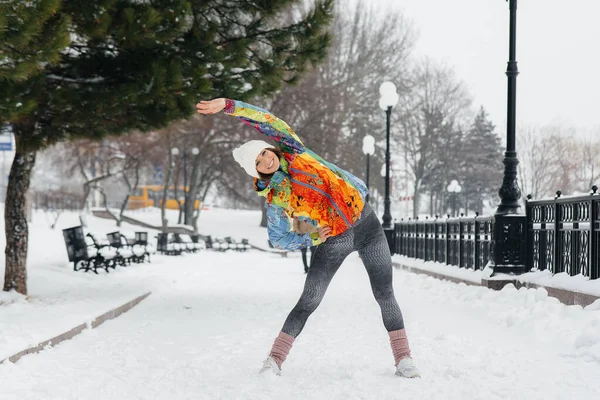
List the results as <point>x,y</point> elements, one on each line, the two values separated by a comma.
<point>214,221</point>
<point>212,318</point>
<point>440,268</point>
<point>59,299</point>
<point>578,283</point>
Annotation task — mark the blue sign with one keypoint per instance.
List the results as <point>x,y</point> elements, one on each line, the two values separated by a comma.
<point>5,146</point>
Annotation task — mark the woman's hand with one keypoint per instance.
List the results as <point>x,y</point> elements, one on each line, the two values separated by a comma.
<point>210,107</point>
<point>324,233</point>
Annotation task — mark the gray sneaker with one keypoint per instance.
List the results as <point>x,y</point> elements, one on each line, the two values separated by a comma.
<point>270,365</point>
<point>406,368</point>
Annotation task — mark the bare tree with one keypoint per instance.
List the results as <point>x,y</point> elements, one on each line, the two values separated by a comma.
<point>334,107</point>
<point>538,166</point>
<point>165,144</point>
<point>428,115</point>
<point>214,137</point>
<point>590,168</point>
<point>138,156</point>
<point>93,161</point>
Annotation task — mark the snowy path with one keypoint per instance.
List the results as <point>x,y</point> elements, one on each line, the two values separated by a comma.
<point>205,333</point>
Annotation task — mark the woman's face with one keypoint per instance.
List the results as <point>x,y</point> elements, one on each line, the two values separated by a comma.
<point>267,162</point>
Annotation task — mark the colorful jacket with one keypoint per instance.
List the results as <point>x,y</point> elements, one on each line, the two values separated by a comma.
<point>305,187</point>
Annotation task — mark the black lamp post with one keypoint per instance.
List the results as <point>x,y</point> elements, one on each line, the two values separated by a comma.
<point>368,150</point>
<point>510,232</point>
<point>387,101</point>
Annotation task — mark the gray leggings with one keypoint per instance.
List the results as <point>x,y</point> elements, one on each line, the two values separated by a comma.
<point>368,238</point>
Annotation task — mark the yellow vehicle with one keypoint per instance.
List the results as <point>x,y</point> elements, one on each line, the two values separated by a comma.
<point>151,196</point>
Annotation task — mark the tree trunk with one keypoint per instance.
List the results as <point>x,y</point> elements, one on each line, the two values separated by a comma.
<point>416,201</point>
<point>192,193</point>
<point>15,220</point>
<point>163,213</point>
<point>122,210</point>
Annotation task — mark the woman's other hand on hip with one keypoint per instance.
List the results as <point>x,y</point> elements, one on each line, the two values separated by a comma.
<point>324,233</point>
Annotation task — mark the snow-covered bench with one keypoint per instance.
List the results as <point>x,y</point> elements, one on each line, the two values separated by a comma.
<point>165,246</point>
<point>85,253</point>
<point>124,249</point>
<point>187,243</point>
<point>141,248</point>
<point>238,246</point>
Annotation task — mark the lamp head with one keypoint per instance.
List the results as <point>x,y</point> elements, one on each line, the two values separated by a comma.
<point>368,145</point>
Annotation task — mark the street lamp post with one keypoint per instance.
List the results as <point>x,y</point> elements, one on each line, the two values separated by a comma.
<point>368,149</point>
<point>455,189</point>
<point>510,232</point>
<point>387,101</point>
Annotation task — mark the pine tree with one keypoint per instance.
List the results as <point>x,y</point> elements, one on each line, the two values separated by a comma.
<point>91,68</point>
<point>481,164</point>
<point>32,34</point>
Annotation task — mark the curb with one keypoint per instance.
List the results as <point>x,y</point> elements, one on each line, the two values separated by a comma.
<point>565,296</point>
<point>112,314</point>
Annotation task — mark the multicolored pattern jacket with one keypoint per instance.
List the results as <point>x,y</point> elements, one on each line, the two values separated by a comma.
<point>305,187</point>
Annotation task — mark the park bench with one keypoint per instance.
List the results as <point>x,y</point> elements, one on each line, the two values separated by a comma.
<point>83,252</point>
<point>124,248</point>
<point>166,246</point>
<point>208,242</point>
<point>141,248</point>
<point>201,241</point>
<point>237,246</point>
<point>220,244</point>
<point>186,242</point>
<point>104,249</point>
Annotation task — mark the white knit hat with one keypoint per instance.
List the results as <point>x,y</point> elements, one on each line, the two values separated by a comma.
<point>246,154</point>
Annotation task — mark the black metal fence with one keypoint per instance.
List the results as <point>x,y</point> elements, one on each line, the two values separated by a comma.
<point>465,242</point>
<point>56,200</point>
<point>563,235</point>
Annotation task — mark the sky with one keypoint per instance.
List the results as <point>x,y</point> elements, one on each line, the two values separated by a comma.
<point>557,55</point>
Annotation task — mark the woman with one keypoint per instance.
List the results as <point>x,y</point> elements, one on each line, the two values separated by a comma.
<point>301,187</point>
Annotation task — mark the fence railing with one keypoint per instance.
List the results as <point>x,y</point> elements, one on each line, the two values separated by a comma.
<point>465,242</point>
<point>563,235</point>
<point>57,200</point>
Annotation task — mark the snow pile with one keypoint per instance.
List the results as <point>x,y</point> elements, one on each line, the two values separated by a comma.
<point>578,283</point>
<point>440,268</point>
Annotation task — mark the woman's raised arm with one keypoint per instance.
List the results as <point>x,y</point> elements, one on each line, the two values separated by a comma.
<point>258,118</point>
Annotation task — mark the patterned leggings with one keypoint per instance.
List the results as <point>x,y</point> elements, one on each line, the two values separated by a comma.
<point>368,238</point>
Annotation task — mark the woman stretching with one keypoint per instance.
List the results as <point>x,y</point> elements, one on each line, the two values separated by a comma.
<point>302,188</point>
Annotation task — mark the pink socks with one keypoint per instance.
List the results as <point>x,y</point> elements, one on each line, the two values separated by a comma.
<point>399,343</point>
<point>283,344</point>
<point>281,348</point>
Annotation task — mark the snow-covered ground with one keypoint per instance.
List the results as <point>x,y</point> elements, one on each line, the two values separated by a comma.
<point>578,283</point>
<point>212,318</point>
<point>217,222</point>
